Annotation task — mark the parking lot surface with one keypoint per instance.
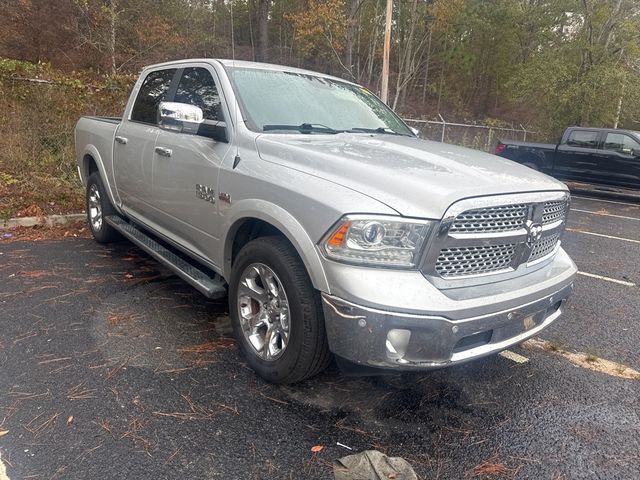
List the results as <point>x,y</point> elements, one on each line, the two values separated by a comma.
<point>111,367</point>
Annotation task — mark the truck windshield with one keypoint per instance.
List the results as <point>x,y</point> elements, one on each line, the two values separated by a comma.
<point>277,101</point>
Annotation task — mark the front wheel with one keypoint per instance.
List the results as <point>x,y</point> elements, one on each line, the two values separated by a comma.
<point>276,313</point>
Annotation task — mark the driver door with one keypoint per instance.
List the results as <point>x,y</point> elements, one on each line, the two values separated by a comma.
<point>186,168</point>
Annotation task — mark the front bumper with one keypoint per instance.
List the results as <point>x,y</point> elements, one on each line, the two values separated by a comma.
<point>394,339</point>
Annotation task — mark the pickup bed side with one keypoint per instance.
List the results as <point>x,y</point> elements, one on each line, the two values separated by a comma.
<point>94,149</point>
<point>539,156</point>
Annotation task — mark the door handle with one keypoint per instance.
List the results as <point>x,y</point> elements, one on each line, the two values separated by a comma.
<point>165,152</point>
<point>122,140</point>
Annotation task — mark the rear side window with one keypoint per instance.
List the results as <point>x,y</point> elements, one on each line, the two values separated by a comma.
<point>196,87</point>
<point>583,138</point>
<point>153,91</point>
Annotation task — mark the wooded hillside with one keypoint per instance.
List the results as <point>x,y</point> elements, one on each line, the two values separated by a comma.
<point>545,64</point>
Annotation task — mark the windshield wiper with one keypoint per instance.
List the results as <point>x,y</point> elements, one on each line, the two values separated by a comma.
<point>303,128</point>
<point>386,130</point>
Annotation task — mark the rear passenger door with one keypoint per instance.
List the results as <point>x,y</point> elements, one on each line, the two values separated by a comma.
<point>578,158</point>
<point>134,144</point>
<point>620,160</point>
<point>185,183</point>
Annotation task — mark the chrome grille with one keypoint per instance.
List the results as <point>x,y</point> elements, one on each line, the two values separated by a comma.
<point>553,211</point>
<point>491,220</point>
<point>455,262</point>
<point>543,247</point>
<point>493,235</point>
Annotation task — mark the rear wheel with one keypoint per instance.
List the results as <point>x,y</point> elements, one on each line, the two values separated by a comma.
<point>98,207</point>
<point>276,313</point>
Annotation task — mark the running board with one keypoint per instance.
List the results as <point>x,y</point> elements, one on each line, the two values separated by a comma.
<point>211,287</point>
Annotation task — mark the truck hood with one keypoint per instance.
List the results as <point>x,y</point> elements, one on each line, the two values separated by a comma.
<point>417,178</point>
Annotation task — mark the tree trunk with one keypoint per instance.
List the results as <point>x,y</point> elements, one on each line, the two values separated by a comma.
<point>112,34</point>
<point>406,65</point>
<point>262,54</point>
<point>352,27</point>
<point>619,108</point>
<point>426,68</point>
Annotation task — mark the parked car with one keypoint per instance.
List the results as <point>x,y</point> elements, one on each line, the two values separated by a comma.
<point>332,226</point>
<point>590,155</point>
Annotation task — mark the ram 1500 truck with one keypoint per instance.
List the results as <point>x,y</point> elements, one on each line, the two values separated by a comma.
<point>602,156</point>
<point>331,227</point>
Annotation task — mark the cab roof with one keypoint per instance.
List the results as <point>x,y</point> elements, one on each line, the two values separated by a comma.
<point>230,63</point>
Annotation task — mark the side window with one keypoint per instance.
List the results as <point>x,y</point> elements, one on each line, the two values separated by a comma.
<point>583,138</point>
<point>630,146</point>
<point>614,141</point>
<point>621,143</point>
<point>152,91</point>
<point>196,87</point>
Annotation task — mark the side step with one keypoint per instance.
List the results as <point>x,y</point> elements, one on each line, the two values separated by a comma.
<point>211,287</point>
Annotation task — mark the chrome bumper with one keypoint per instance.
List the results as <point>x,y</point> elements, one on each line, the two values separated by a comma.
<point>392,340</point>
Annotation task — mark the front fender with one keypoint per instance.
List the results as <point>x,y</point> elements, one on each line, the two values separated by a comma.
<point>283,221</point>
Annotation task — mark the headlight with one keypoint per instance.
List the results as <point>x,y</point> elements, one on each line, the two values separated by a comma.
<point>371,240</point>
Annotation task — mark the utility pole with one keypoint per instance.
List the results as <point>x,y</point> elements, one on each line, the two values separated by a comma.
<point>384,93</point>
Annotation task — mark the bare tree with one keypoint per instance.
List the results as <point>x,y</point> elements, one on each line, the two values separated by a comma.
<point>262,54</point>
<point>352,28</point>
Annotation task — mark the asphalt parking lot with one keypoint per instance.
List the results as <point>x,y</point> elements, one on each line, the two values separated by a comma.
<point>111,367</point>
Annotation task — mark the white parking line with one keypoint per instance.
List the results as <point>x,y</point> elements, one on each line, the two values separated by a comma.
<point>602,235</point>
<point>606,201</point>
<point>607,279</point>
<point>508,354</point>
<point>3,471</point>
<point>605,214</point>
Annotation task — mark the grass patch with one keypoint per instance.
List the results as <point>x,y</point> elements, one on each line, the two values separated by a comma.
<point>37,159</point>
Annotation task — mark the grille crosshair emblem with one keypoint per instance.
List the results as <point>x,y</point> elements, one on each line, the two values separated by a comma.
<point>534,232</point>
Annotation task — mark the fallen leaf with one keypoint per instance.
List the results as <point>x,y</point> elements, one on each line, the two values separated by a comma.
<point>316,448</point>
<point>128,275</point>
<point>70,420</point>
<point>3,433</point>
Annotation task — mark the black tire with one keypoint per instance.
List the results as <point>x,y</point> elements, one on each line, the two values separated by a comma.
<point>105,233</point>
<point>532,166</point>
<point>307,352</point>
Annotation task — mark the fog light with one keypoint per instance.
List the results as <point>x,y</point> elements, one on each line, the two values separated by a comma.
<point>397,342</point>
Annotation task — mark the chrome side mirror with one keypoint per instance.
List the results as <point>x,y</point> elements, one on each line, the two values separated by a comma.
<point>180,117</point>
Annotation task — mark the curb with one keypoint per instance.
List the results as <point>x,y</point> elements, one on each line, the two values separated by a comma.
<point>49,220</point>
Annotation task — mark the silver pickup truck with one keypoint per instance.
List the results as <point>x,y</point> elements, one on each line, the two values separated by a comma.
<point>331,227</point>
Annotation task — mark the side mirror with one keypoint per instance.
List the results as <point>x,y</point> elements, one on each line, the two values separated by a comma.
<point>187,118</point>
<point>415,131</point>
<point>180,117</point>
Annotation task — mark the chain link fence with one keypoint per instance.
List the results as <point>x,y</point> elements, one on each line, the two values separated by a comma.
<point>480,137</point>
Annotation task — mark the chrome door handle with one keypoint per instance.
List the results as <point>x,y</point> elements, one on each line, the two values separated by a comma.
<point>165,152</point>
<point>121,140</point>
